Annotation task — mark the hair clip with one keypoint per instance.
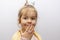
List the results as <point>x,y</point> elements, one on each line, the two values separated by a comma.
<point>26,2</point>
<point>31,3</point>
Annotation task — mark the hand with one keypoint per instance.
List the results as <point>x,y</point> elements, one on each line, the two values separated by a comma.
<point>28,32</point>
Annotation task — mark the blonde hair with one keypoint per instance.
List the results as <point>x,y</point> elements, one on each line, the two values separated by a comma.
<point>24,8</point>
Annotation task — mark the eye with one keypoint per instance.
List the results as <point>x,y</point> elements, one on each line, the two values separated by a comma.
<point>33,18</point>
<point>25,18</point>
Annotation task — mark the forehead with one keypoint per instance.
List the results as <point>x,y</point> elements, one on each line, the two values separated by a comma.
<point>29,12</point>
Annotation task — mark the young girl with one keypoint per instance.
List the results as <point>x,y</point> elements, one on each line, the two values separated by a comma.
<point>27,18</point>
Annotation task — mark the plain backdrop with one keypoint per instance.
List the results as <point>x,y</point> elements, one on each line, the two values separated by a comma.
<point>48,24</point>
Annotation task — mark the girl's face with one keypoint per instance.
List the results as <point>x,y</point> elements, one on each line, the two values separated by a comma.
<point>28,19</point>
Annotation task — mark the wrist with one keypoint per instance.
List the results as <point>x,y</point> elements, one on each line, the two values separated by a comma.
<point>24,38</point>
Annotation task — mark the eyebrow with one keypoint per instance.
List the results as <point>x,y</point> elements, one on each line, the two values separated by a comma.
<point>34,16</point>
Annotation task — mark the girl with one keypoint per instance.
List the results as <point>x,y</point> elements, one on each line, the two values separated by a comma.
<point>27,18</point>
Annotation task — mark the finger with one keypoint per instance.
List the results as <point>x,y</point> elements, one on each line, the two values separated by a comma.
<point>31,30</point>
<point>32,27</point>
<point>27,28</point>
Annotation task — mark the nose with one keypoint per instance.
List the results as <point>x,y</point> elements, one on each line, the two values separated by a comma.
<point>29,21</point>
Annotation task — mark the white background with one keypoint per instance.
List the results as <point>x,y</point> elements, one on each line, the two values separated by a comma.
<point>48,24</point>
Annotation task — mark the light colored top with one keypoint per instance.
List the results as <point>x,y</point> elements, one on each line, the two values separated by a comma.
<point>17,36</point>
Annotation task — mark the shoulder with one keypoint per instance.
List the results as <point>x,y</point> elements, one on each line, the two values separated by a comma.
<point>15,35</point>
<point>37,35</point>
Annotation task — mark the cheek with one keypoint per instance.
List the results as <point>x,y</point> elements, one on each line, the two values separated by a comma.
<point>34,22</point>
<point>23,22</point>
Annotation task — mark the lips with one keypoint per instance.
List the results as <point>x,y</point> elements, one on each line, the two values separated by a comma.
<point>29,25</point>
